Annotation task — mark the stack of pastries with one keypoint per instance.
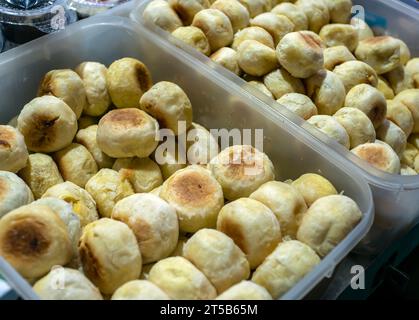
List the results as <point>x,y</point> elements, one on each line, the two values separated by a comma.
<point>359,89</point>
<point>89,211</point>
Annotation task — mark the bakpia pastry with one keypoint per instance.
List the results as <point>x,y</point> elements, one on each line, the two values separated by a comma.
<point>301,53</point>
<point>93,75</point>
<point>197,197</point>
<point>33,239</point>
<point>153,221</point>
<point>40,174</point>
<point>399,80</point>
<point>216,26</point>
<point>299,104</point>
<point>139,290</point>
<point>363,29</point>
<point>127,133</point>
<point>277,25</point>
<point>240,170</point>
<point>218,257</point>
<point>169,159</point>
<point>313,187</point>
<point>13,151</point>
<point>202,145</point>
<point>391,134</point>
<point>227,58</point>
<point>66,85</point>
<point>339,10</point>
<point>47,123</point>
<point>181,280</point>
<point>66,284</point>
<point>339,35</point>
<point>293,13</point>
<point>256,7</point>
<point>412,70</point>
<point>109,254</point>
<point>160,13</point>
<point>194,37</point>
<point>187,9</point>
<point>87,138</point>
<point>285,266</point>
<point>235,11</point>
<point>253,227</point>
<point>253,33</point>
<point>169,104</point>
<point>410,98</point>
<point>316,11</point>
<point>327,222</point>
<point>255,58</point>
<point>280,82</point>
<point>76,164</point>
<point>384,87</point>
<point>405,170</point>
<point>143,173</point>
<point>335,56</point>
<point>245,290</point>
<point>128,79</point>
<point>82,202</point>
<point>352,73</point>
<point>409,154</point>
<point>14,192</point>
<point>285,201</point>
<point>107,187</point>
<point>261,87</point>
<point>379,155</point>
<point>332,128</point>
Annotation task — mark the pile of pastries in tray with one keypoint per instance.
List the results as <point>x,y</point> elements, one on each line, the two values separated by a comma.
<point>313,59</point>
<point>94,206</point>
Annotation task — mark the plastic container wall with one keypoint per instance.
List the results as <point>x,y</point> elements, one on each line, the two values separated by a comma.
<point>217,104</point>
<point>396,197</point>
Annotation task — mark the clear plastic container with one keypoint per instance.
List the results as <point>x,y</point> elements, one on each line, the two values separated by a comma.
<point>121,10</point>
<point>217,103</point>
<point>396,197</point>
<point>87,8</point>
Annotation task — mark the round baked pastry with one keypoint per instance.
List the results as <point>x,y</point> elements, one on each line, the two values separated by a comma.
<point>169,104</point>
<point>399,80</point>
<point>407,171</point>
<point>109,254</point>
<point>14,193</point>
<point>277,25</point>
<point>391,134</point>
<point>410,98</point>
<point>66,284</point>
<point>181,280</point>
<point>381,53</point>
<point>47,123</point>
<point>87,138</point>
<point>82,202</point>
<point>379,155</point>
<point>364,31</point>
<point>160,13</point>
<point>194,37</point>
<point>218,257</point>
<point>40,174</point>
<point>370,101</point>
<point>299,104</point>
<point>255,58</point>
<point>332,128</point>
<point>327,222</point>
<point>240,170</point>
<point>227,58</point>
<point>169,159</point>
<point>127,133</point>
<point>253,227</point>
<point>352,73</point>
<point>295,14</point>
<point>245,290</point>
<point>13,151</point>
<point>405,54</point>
<point>301,53</point>
<point>256,7</point>
<point>384,87</point>
<point>327,91</point>
<point>153,221</point>
<point>33,239</point>
<point>127,80</point>
<point>235,11</point>
<point>285,267</point>
<point>156,191</point>
<point>107,187</point>
<point>358,126</point>
<point>196,196</point>
<point>202,145</point>
<point>409,154</point>
<point>253,33</point>
<point>94,75</point>
<point>412,70</point>
<point>66,85</point>
<point>216,26</point>
<point>139,290</point>
<point>335,56</point>
<point>86,121</point>
<point>280,82</point>
<point>285,201</point>
<point>143,173</point>
<point>76,164</point>
<point>187,9</point>
<point>339,35</point>
<point>340,11</point>
<point>414,140</point>
<point>313,187</point>
<point>261,87</point>
<point>317,13</point>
